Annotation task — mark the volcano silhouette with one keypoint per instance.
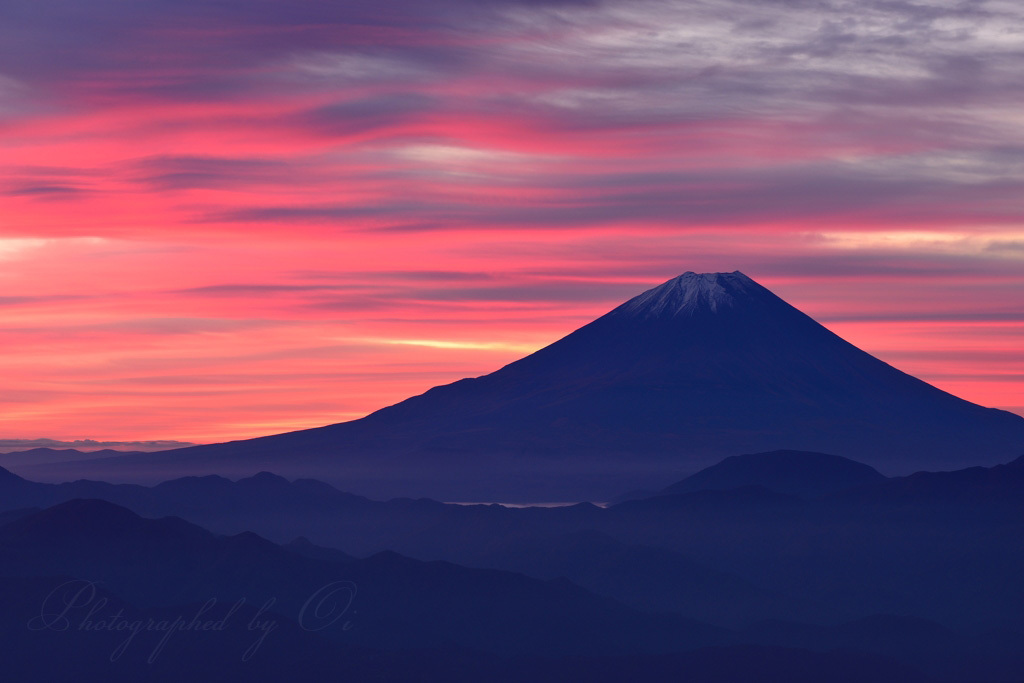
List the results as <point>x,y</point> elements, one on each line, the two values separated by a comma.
<point>701,367</point>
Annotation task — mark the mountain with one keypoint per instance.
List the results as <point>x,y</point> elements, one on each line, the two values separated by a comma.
<point>696,369</point>
<point>798,473</point>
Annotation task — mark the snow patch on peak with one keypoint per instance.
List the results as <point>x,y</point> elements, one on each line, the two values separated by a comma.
<point>688,293</point>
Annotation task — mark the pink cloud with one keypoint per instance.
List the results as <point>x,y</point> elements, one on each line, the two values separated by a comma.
<point>258,217</point>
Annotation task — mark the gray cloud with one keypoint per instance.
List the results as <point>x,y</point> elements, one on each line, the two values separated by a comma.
<point>260,289</point>
<point>391,275</point>
<point>46,191</point>
<point>915,191</point>
<point>916,92</point>
<point>366,114</point>
<point>40,299</point>
<point>188,172</point>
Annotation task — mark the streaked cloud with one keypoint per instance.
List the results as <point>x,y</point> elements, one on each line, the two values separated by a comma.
<point>482,178</point>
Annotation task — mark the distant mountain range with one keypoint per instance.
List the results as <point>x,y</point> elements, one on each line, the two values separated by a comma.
<point>36,456</point>
<point>696,369</point>
<point>887,579</point>
<point>726,554</point>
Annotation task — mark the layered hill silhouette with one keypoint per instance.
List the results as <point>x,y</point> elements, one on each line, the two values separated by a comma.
<point>696,369</point>
<point>727,556</point>
<point>98,562</point>
<point>951,577</point>
<point>396,602</point>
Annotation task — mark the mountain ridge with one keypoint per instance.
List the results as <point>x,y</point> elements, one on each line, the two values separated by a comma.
<point>701,367</point>
<point>798,473</point>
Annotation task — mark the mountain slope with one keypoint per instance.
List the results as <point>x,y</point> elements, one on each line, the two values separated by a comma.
<point>701,367</point>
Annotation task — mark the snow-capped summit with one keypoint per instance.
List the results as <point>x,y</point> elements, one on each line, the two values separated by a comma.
<point>691,292</point>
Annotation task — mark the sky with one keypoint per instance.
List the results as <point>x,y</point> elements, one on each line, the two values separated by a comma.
<point>226,219</point>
